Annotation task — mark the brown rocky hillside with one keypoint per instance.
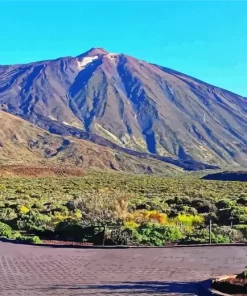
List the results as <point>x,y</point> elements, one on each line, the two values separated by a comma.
<point>24,144</point>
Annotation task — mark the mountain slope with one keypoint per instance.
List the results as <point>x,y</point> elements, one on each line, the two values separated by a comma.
<point>132,103</point>
<point>25,144</point>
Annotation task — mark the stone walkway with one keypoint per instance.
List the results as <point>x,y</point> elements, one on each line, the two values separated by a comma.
<point>30,270</point>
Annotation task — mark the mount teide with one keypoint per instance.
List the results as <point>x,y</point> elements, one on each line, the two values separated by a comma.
<point>131,103</point>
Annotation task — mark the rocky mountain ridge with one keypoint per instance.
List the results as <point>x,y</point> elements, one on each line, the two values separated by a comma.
<point>130,103</point>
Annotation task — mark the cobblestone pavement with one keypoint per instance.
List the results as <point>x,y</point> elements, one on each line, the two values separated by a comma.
<point>30,270</point>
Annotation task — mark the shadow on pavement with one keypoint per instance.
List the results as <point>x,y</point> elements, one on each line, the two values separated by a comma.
<point>138,288</point>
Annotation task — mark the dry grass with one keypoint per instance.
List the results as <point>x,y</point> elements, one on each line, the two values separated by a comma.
<point>39,172</point>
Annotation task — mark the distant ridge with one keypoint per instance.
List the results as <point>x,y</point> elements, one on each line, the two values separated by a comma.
<point>228,176</point>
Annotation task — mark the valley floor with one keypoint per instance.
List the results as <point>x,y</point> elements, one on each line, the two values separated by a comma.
<point>169,209</point>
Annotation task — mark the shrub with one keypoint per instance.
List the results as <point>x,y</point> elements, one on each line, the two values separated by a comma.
<point>243,229</point>
<point>207,207</point>
<point>145,216</point>
<point>242,201</point>
<point>130,225</point>
<point>224,204</point>
<point>23,210</point>
<point>224,216</point>
<point>190,210</point>
<point>5,230</point>
<point>77,214</point>
<point>197,237</point>
<point>201,236</point>
<point>103,206</point>
<point>7,214</point>
<point>234,235</point>
<point>34,221</point>
<point>36,240</point>
<point>30,239</point>
<point>15,235</point>
<point>220,239</point>
<point>156,234</point>
<point>70,229</point>
<point>190,220</point>
<point>240,215</point>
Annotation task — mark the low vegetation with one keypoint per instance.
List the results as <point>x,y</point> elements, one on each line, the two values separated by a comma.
<point>145,210</point>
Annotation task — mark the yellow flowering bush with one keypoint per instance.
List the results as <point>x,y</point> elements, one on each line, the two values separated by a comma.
<point>24,210</point>
<point>78,214</point>
<point>145,216</point>
<point>131,225</point>
<point>190,220</point>
<point>58,217</point>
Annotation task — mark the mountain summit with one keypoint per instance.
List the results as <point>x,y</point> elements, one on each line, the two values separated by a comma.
<point>130,103</point>
<point>94,52</point>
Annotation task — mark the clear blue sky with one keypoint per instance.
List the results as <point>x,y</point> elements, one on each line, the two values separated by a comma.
<point>205,39</point>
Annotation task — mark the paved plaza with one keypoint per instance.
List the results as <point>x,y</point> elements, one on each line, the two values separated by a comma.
<point>31,270</point>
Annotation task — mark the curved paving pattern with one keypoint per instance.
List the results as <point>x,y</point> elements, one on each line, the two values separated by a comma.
<point>29,270</point>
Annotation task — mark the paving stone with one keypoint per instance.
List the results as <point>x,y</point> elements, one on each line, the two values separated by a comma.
<point>35,271</point>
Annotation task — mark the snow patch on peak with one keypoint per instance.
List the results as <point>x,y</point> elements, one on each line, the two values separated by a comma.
<point>85,61</point>
<point>112,55</point>
<point>52,118</point>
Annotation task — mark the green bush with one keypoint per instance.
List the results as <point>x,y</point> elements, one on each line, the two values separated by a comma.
<point>70,229</point>
<point>197,237</point>
<point>36,240</point>
<point>220,239</point>
<point>30,239</point>
<point>242,228</point>
<point>234,235</point>
<point>5,230</point>
<point>34,221</point>
<point>201,236</point>
<point>7,213</point>
<point>155,234</point>
<point>15,235</point>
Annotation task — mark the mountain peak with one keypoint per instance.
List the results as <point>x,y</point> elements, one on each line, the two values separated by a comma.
<point>94,51</point>
<point>129,103</point>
